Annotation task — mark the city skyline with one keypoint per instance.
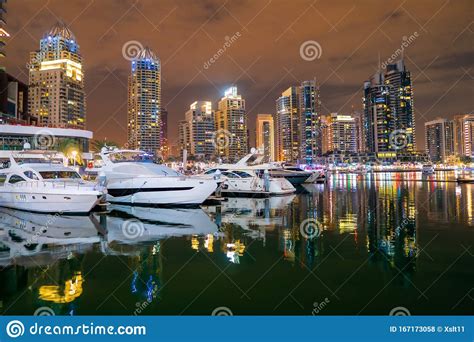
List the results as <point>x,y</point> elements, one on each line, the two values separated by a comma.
<point>341,71</point>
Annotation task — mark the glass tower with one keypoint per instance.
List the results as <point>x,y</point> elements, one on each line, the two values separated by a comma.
<point>56,80</point>
<point>144,103</point>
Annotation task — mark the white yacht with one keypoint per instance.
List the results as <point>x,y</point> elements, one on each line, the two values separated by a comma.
<point>240,180</point>
<point>35,181</point>
<point>131,177</point>
<point>428,169</point>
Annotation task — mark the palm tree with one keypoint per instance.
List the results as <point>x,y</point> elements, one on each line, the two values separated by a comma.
<point>98,144</point>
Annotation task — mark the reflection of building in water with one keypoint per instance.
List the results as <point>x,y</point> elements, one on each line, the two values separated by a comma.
<point>391,227</point>
<point>439,202</point>
<point>147,266</point>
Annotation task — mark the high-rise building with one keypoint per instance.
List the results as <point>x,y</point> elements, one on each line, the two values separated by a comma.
<point>13,99</point>
<point>184,137</point>
<point>287,125</point>
<point>389,119</point>
<point>439,136</point>
<point>339,133</point>
<point>3,31</point>
<point>200,120</point>
<point>231,126</point>
<point>310,120</point>
<point>144,103</point>
<point>265,137</point>
<point>399,78</point>
<point>464,135</point>
<point>56,80</point>
<point>378,118</point>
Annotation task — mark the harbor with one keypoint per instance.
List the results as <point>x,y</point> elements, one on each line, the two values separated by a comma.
<point>333,244</point>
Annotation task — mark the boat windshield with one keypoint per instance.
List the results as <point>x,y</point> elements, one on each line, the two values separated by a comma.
<point>135,157</point>
<point>60,175</point>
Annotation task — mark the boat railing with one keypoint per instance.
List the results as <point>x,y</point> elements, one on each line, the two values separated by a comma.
<point>63,184</point>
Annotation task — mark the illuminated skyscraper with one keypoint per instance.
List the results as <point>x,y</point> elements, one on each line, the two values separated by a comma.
<point>378,118</point>
<point>439,139</point>
<point>464,135</point>
<point>399,78</point>
<point>339,133</point>
<point>310,121</point>
<point>3,32</point>
<point>389,119</point>
<point>265,137</point>
<point>184,137</point>
<point>288,125</point>
<point>144,103</point>
<point>200,120</point>
<point>56,80</point>
<point>231,124</point>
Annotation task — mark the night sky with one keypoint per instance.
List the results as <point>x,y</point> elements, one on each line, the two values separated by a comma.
<point>354,37</point>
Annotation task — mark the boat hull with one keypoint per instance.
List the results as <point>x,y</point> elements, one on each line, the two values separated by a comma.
<point>48,202</point>
<point>170,191</point>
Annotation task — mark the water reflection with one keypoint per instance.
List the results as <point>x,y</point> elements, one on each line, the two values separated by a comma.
<point>371,219</point>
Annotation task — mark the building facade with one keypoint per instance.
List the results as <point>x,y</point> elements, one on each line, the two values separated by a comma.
<point>231,126</point>
<point>200,120</point>
<point>439,136</point>
<point>339,133</point>
<point>144,103</point>
<point>184,137</point>
<point>288,125</point>
<point>265,136</point>
<point>464,135</point>
<point>378,120</point>
<point>399,80</point>
<point>56,80</point>
<point>310,120</point>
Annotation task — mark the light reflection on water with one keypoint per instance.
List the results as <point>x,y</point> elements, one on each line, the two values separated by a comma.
<point>384,242</point>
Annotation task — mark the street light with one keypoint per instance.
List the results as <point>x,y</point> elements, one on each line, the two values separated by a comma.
<point>74,155</point>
